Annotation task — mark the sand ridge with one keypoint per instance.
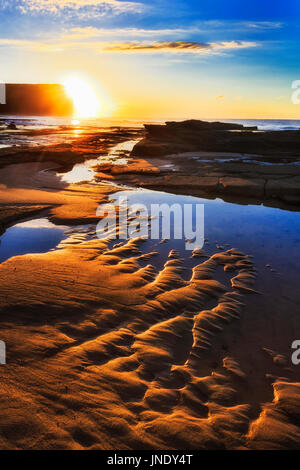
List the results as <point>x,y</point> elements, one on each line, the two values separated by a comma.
<point>104,353</point>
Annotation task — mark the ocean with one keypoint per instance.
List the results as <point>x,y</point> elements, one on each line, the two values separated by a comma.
<point>37,130</point>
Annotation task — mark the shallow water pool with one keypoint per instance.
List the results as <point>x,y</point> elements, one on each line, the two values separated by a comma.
<point>33,236</point>
<point>271,235</point>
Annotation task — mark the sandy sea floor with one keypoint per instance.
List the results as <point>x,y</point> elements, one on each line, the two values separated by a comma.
<point>133,344</point>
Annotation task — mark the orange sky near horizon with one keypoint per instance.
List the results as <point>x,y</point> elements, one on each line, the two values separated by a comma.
<point>161,60</point>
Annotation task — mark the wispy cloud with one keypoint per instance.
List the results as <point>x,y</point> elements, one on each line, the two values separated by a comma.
<point>178,47</point>
<point>31,45</point>
<point>260,25</point>
<point>136,40</point>
<point>218,25</point>
<point>90,32</point>
<point>205,27</point>
<point>81,7</point>
<point>130,47</point>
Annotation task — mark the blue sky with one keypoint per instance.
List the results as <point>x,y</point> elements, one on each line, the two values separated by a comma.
<point>160,58</point>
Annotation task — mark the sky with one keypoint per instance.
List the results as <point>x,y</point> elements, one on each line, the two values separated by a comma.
<point>160,59</point>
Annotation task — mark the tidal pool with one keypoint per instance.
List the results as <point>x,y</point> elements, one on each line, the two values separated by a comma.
<point>33,236</point>
<point>270,235</point>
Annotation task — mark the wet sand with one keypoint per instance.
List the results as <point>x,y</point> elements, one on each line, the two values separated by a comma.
<point>141,345</point>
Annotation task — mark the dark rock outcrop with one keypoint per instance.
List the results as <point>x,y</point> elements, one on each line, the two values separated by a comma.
<point>193,135</point>
<point>215,159</point>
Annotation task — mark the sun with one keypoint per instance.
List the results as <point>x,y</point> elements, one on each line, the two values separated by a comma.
<point>85,100</point>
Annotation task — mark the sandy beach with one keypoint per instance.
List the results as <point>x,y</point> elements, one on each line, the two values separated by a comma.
<point>143,344</point>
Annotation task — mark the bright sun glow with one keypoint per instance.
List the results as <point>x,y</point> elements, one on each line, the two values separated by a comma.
<point>86,102</point>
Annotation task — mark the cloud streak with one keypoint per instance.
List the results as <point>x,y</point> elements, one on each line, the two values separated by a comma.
<point>261,25</point>
<point>80,7</point>
<point>172,47</point>
<point>178,47</point>
<point>90,32</point>
<point>206,26</point>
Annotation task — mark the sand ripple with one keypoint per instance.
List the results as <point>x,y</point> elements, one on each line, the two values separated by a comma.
<point>105,353</point>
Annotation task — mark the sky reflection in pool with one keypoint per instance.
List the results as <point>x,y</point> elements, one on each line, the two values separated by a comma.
<point>271,235</point>
<point>33,236</point>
